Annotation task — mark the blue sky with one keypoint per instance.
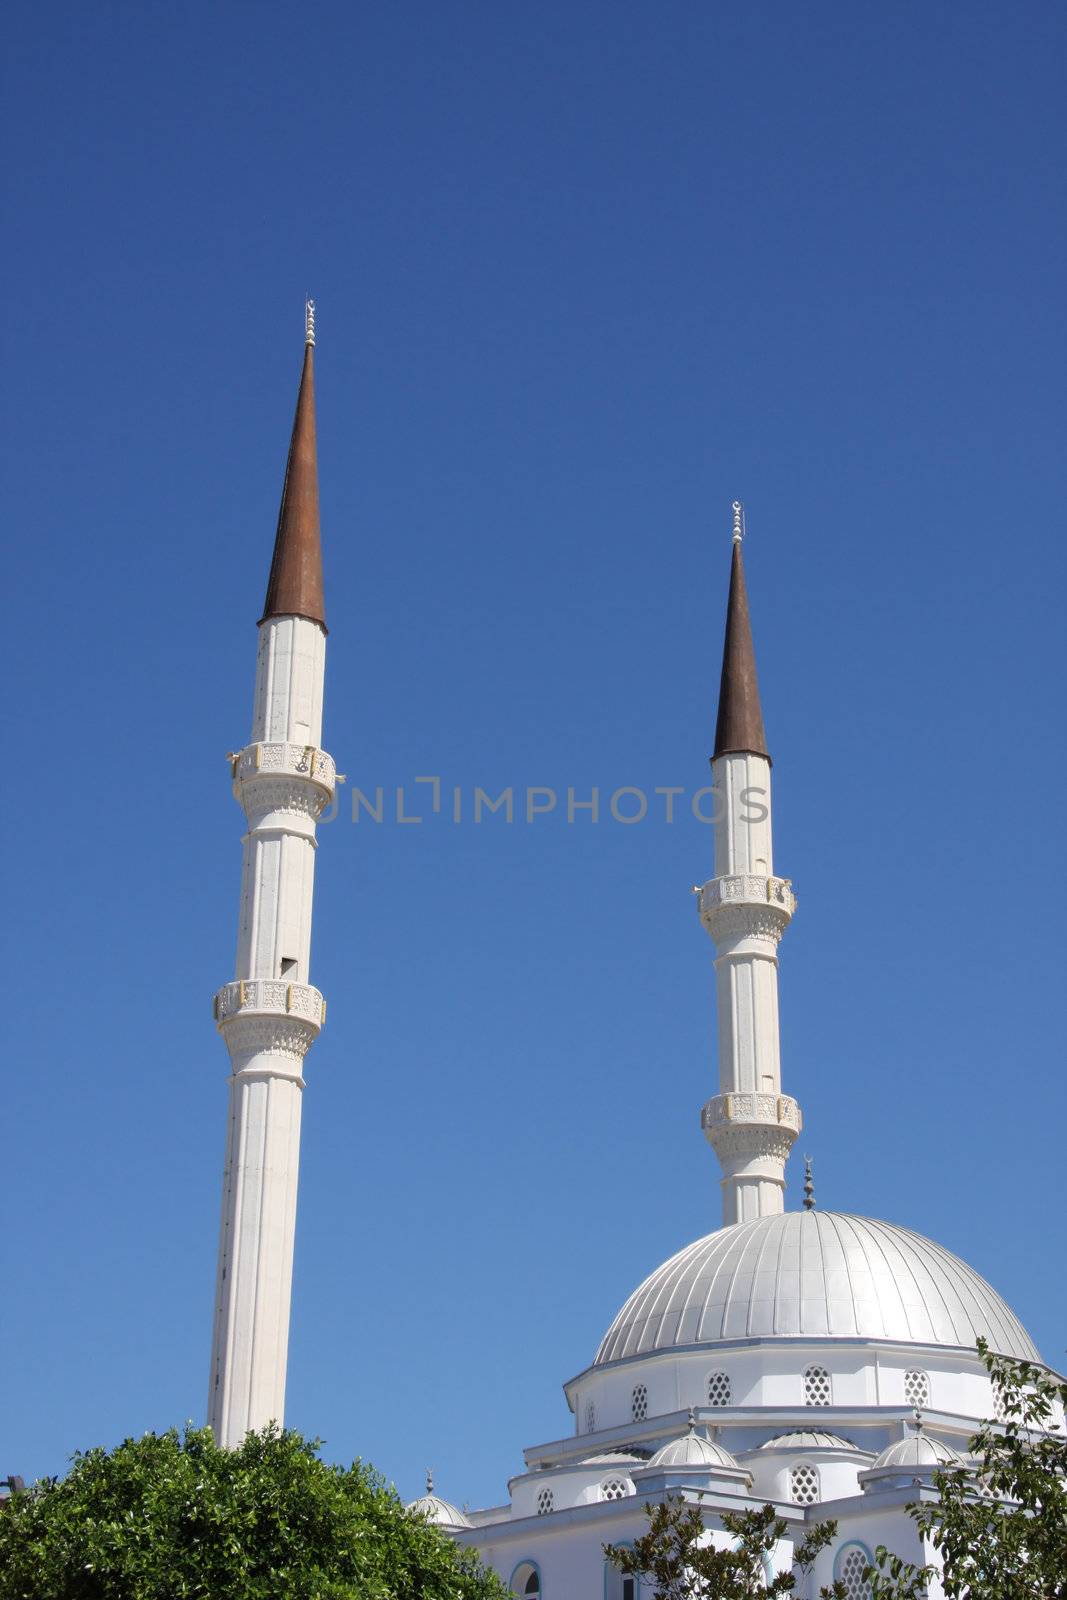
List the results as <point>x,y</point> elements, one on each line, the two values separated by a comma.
<point>584,274</point>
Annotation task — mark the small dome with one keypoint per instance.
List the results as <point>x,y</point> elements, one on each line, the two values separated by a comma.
<point>918,1450</point>
<point>810,1439</point>
<point>431,1508</point>
<point>819,1274</point>
<point>693,1451</point>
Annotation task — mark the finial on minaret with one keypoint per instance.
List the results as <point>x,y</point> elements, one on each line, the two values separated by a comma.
<point>739,725</point>
<point>429,1480</point>
<point>739,521</point>
<point>809,1186</point>
<point>294,587</point>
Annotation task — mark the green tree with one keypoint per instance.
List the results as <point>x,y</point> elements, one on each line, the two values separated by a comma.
<point>672,1557</point>
<point>171,1518</point>
<point>1000,1528</point>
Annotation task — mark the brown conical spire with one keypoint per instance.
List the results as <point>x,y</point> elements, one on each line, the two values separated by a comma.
<point>740,720</point>
<point>294,587</point>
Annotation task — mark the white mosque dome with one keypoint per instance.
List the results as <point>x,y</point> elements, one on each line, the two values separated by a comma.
<point>817,1274</point>
<point>440,1512</point>
<point>810,1439</point>
<point>690,1450</point>
<point>918,1450</point>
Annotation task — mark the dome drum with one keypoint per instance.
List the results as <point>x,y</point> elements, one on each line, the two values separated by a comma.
<point>734,1383</point>
<point>808,1458</point>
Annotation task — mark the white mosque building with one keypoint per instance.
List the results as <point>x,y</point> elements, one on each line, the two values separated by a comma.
<point>823,1362</point>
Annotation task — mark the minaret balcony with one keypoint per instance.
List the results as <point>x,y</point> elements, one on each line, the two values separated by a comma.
<point>268,1024</point>
<point>298,779</point>
<point>271,996</point>
<point>746,906</point>
<point>281,760</point>
<point>739,1121</point>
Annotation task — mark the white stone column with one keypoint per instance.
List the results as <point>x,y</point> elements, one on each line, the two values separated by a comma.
<point>750,1124</point>
<point>269,1017</point>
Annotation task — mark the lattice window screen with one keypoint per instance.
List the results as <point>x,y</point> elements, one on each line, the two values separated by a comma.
<point>850,1572</point>
<point>718,1388</point>
<point>816,1387</point>
<point>804,1485</point>
<point>639,1403</point>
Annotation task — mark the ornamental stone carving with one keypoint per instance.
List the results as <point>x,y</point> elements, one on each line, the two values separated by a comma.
<point>304,1001</point>
<point>274,759</point>
<point>254,1035</point>
<point>773,1110</point>
<point>294,796</point>
<point>256,996</point>
<point>729,923</point>
<point>283,777</point>
<point>749,1139</point>
<point>743,906</point>
<point>746,886</point>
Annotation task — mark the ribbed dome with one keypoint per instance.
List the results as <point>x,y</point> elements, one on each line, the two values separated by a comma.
<point>690,1450</point>
<point>440,1512</point>
<point>816,1273</point>
<point>918,1450</point>
<point>810,1439</point>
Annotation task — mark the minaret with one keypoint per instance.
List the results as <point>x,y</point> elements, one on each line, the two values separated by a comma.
<point>270,1014</point>
<point>750,1124</point>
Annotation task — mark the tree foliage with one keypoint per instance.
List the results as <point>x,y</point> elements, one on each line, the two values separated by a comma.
<point>1000,1528</point>
<point>675,1559</point>
<point>172,1518</point>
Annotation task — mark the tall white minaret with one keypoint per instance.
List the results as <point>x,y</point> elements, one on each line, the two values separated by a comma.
<point>750,1124</point>
<point>270,1014</point>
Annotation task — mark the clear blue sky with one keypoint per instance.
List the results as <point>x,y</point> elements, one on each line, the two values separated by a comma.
<point>585,272</point>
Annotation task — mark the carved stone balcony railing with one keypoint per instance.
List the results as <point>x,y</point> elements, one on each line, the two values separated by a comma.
<point>284,761</point>
<point>269,1025</point>
<point>769,1110</point>
<point>748,888</point>
<point>271,996</point>
<point>744,905</point>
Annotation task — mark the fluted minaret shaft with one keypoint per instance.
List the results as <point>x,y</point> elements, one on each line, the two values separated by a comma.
<point>746,908</point>
<point>270,1014</point>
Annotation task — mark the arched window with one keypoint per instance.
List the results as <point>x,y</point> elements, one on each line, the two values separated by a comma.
<point>804,1484</point>
<point>590,1416</point>
<point>816,1386</point>
<point>639,1403</point>
<point>718,1389</point>
<point>850,1564</point>
<point>616,1488</point>
<point>525,1581</point>
<point>546,1501</point>
<point>917,1388</point>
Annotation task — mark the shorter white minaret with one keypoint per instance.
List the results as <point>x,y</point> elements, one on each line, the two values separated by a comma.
<point>270,1014</point>
<point>750,1124</point>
